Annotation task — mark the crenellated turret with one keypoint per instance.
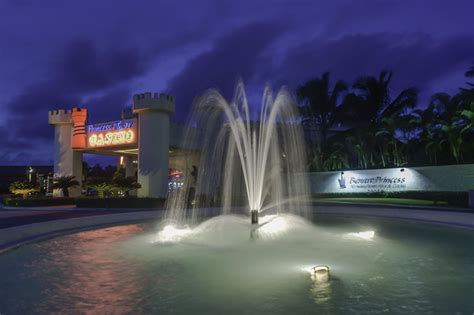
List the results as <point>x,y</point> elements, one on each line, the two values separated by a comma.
<point>79,136</point>
<point>153,101</point>
<point>67,162</point>
<point>154,112</point>
<point>59,116</point>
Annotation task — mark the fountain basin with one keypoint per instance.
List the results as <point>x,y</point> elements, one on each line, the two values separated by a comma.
<point>120,270</point>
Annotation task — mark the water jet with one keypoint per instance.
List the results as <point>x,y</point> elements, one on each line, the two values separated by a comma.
<point>254,217</point>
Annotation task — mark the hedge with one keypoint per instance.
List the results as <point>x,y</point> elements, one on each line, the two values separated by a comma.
<point>452,198</point>
<point>129,202</point>
<point>38,202</point>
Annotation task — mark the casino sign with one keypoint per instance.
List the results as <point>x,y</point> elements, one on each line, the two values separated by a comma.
<point>115,133</point>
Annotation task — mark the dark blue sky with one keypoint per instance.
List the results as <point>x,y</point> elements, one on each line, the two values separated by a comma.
<point>58,53</point>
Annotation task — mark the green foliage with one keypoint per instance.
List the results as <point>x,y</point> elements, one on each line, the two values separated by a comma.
<point>385,131</point>
<point>23,188</point>
<point>455,199</point>
<point>120,186</point>
<point>38,202</point>
<point>64,183</point>
<point>103,189</point>
<point>123,185</point>
<point>116,202</point>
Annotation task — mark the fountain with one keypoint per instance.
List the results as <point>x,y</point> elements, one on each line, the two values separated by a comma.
<point>247,159</point>
<point>249,163</point>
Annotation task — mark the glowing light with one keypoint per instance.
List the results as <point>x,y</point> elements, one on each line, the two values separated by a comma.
<point>171,234</point>
<point>120,132</point>
<point>366,235</point>
<point>272,226</point>
<point>111,138</point>
<point>320,273</point>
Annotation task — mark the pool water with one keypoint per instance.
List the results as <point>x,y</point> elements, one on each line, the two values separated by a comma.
<point>375,267</point>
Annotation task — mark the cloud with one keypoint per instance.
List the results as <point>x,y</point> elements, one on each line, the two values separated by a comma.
<point>233,56</point>
<point>416,59</point>
<point>81,69</point>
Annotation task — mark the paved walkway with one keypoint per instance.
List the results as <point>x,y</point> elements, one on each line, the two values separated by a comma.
<point>463,218</point>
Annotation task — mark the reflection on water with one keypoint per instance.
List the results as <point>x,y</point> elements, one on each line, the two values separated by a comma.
<point>82,279</point>
<point>320,291</point>
<point>95,288</point>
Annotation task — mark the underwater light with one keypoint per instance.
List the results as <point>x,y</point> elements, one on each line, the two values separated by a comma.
<point>320,273</point>
<point>171,233</point>
<point>366,235</point>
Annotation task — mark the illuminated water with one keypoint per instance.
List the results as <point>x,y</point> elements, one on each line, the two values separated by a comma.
<point>246,159</point>
<point>376,267</point>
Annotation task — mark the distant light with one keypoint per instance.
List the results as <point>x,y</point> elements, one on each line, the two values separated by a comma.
<point>367,235</point>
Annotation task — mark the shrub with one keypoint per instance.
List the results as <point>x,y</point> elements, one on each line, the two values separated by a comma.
<point>23,188</point>
<point>130,202</point>
<point>452,198</point>
<point>38,202</point>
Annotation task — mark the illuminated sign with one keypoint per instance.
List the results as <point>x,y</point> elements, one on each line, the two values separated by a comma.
<point>115,133</point>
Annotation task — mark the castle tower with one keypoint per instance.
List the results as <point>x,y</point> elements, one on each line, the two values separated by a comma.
<point>154,122</point>
<point>79,120</point>
<point>67,162</point>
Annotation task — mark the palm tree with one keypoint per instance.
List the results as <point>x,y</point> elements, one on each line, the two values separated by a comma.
<point>470,74</point>
<point>338,159</point>
<point>372,101</point>
<point>64,183</point>
<point>125,184</point>
<point>122,183</point>
<point>320,102</point>
<point>102,188</point>
<point>388,142</point>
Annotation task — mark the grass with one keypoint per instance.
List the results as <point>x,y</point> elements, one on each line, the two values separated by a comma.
<point>397,201</point>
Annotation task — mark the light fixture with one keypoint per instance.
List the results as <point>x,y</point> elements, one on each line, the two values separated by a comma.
<point>254,216</point>
<point>171,234</point>
<point>320,273</point>
<point>366,235</point>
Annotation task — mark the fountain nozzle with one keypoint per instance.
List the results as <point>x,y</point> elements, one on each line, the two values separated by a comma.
<point>254,216</point>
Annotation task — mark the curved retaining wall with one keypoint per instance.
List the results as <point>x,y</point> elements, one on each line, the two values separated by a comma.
<point>19,235</point>
<point>13,237</point>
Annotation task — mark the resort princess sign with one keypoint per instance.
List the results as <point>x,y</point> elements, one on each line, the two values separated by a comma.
<point>362,182</point>
<point>376,180</point>
<point>115,133</point>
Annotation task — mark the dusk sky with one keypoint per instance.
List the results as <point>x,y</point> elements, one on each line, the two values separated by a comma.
<point>97,54</point>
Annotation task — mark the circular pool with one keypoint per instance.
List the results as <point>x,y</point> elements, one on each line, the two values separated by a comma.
<point>223,266</point>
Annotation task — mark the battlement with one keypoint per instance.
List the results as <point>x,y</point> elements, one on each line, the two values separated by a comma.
<point>154,102</point>
<point>59,116</point>
<point>79,115</point>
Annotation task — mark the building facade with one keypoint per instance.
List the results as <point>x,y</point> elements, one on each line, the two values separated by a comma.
<point>147,137</point>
